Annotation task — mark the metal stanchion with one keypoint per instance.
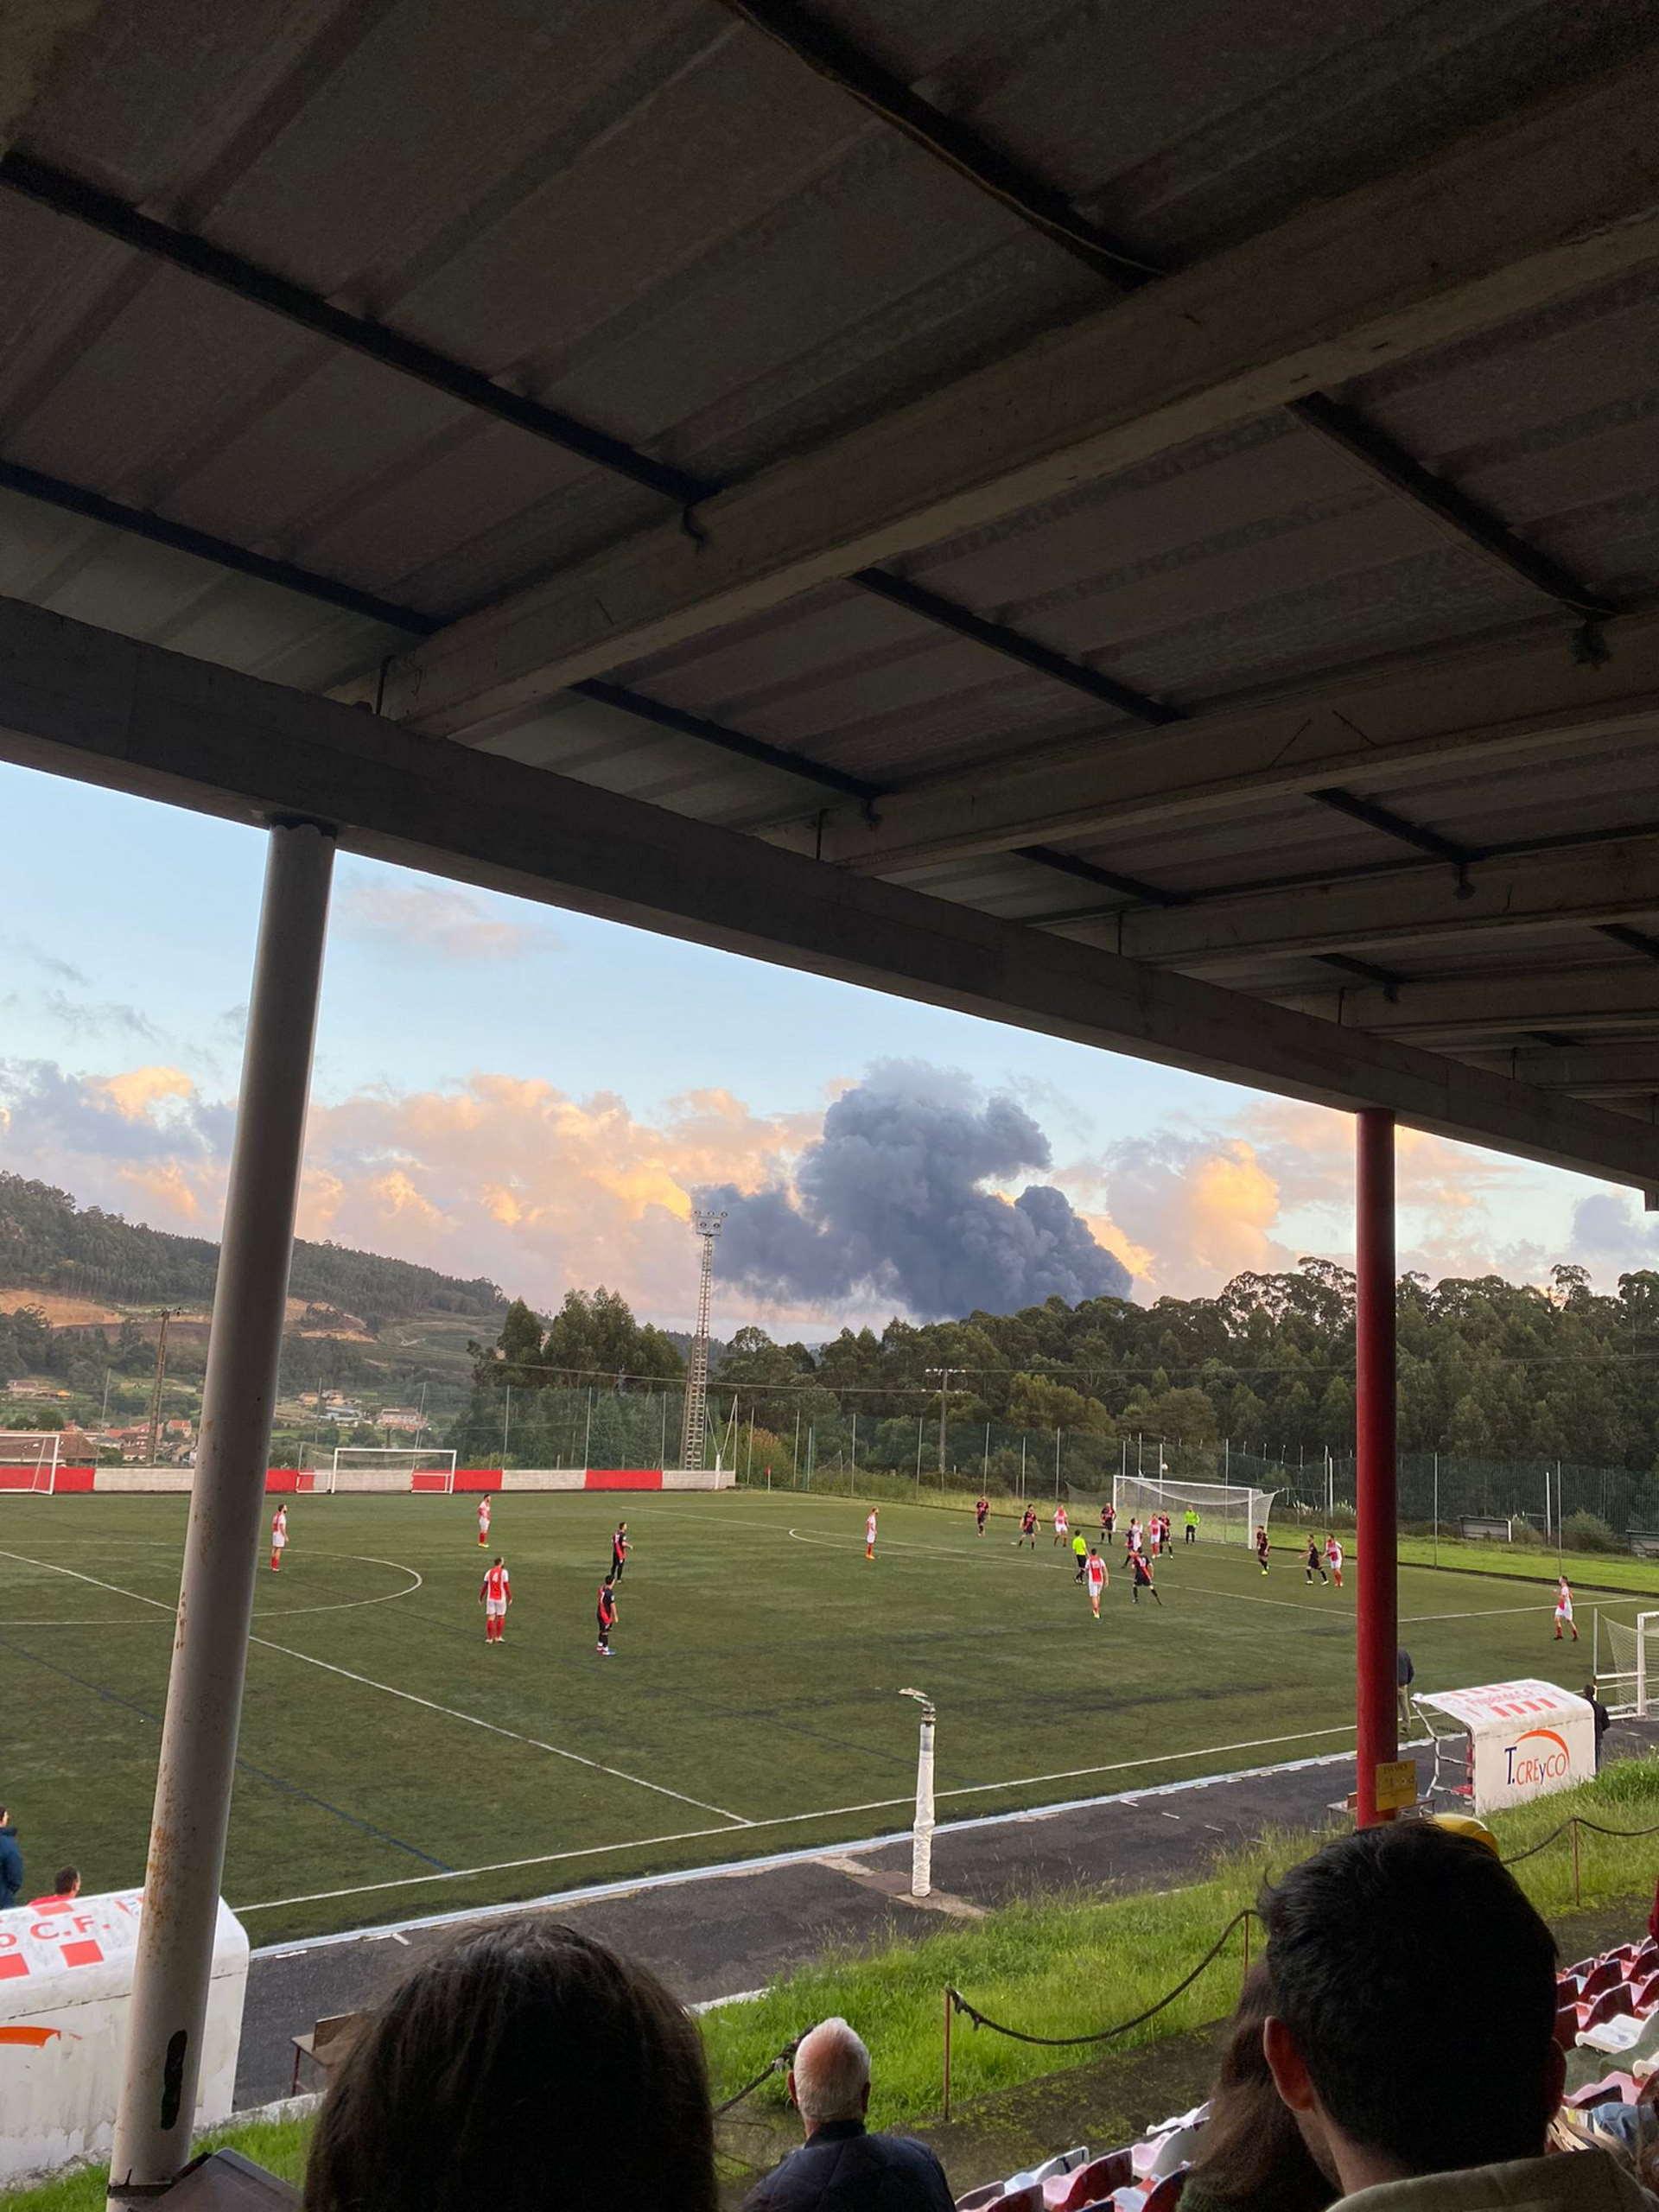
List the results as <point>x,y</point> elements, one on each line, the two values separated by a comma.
<point>174,1951</point>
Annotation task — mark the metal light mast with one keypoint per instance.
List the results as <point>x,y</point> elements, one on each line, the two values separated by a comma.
<point>694,1433</point>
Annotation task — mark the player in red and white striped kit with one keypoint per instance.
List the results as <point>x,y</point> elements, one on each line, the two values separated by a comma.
<point>278,1539</point>
<point>495,1595</point>
<point>1095,1575</point>
<point>484,1520</point>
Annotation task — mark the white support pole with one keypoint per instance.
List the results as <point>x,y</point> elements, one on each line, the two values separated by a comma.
<point>921,1847</point>
<point>175,1950</point>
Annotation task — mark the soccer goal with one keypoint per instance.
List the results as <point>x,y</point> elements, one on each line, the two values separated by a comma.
<point>1229,1513</point>
<point>369,1468</point>
<point>28,1459</point>
<point>1630,1683</point>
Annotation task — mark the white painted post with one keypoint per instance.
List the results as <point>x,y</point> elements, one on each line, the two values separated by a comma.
<point>174,1954</point>
<point>921,1847</point>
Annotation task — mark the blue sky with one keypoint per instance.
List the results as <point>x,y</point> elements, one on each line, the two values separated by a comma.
<point>511,1089</point>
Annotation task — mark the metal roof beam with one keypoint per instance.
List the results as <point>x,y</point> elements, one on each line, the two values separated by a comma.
<point>82,702</point>
<point>1605,885</point>
<point>932,607</point>
<point>1464,517</point>
<point>183,537</point>
<point>1037,204</point>
<point>1587,1070</point>
<point>246,280</point>
<point>1480,706</point>
<point>1516,216</point>
<point>1446,1013</point>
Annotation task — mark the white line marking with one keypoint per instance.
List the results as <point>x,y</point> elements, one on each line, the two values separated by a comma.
<point>536,1742</point>
<point>417,1581</point>
<point>832,1813</point>
<point>448,1712</point>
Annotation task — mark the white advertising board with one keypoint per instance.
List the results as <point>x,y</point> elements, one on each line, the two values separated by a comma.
<point>65,1980</point>
<point>1528,1738</point>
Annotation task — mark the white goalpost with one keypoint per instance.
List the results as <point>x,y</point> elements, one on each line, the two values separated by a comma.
<point>1630,1684</point>
<point>28,1460</point>
<point>369,1468</point>
<point>1229,1513</point>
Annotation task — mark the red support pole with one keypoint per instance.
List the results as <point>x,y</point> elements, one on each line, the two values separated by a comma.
<point>1375,1481</point>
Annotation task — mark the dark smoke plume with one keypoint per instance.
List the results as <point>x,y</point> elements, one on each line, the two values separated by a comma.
<point>887,1204</point>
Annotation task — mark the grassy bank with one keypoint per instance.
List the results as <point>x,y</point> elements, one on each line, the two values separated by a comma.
<point>1055,1966</point>
<point>1067,1965</point>
<point>278,2145</point>
<point>1536,1563</point>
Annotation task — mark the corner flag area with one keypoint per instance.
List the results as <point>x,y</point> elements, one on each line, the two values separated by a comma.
<point>393,1764</point>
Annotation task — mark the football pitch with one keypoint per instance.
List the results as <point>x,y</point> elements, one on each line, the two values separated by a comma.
<point>392,1763</point>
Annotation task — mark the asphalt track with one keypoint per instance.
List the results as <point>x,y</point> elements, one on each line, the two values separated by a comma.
<point>716,1934</point>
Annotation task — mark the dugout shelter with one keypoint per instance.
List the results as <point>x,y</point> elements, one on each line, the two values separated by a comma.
<point>1506,1743</point>
<point>1144,528</point>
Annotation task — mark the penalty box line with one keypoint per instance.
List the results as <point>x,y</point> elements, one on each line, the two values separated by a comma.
<point>798,1819</point>
<point>450,1712</point>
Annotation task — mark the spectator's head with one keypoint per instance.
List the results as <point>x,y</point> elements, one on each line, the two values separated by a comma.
<point>1412,2018</point>
<point>1588,1691</point>
<point>1251,2151</point>
<point>830,2077</point>
<point>528,2061</point>
<point>65,1883</point>
<point>5,1816</point>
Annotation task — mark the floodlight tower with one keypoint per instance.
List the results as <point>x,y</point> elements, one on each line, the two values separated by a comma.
<point>694,1433</point>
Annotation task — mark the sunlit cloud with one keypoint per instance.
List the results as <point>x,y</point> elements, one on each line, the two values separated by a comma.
<point>435,921</point>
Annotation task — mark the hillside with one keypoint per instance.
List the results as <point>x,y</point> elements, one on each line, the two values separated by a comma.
<point>49,1244</point>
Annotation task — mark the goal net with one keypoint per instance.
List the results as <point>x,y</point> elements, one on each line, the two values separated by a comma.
<point>368,1467</point>
<point>1630,1684</point>
<point>1229,1513</point>
<point>28,1459</point>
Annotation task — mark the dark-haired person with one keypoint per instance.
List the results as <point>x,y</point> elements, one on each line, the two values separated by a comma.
<point>1141,1579</point>
<point>1600,1718</point>
<point>620,1549</point>
<point>1262,1549</point>
<point>12,1861</point>
<point>605,1614</point>
<point>66,1888</point>
<point>528,2066</point>
<point>1411,2029</point>
<point>1251,2157</point>
<point>1027,1528</point>
<point>982,1509</point>
<point>1313,1564</point>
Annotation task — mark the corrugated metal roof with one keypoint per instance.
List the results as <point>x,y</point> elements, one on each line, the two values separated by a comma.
<point>660,221</point>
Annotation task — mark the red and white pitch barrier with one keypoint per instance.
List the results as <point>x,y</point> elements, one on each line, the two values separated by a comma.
<point>141,1481</point>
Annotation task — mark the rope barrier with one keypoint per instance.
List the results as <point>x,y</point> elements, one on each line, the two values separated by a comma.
<point>979,2020</point>
<point>777,2064</point>
<point>1574,1821</point>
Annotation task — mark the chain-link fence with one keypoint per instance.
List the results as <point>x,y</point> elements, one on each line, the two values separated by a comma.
<point>1584,1505</point>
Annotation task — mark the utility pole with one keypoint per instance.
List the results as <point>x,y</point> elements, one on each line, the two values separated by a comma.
<point>944,1375</point>
<point>705,1227</point>
<point>155,1391</point>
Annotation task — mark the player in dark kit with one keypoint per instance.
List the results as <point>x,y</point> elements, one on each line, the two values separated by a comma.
<point>619,1550</point>
<point>981,1507</point>
<point>606,1618</point>
<point>1027,1528</point>
<point>1141,1570</point>
<point>1262,1549</point>
<point>1108,1521</point>
<point>1313,1564</point>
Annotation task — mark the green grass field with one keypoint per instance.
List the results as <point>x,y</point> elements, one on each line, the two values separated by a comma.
<point>394,1764</point>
